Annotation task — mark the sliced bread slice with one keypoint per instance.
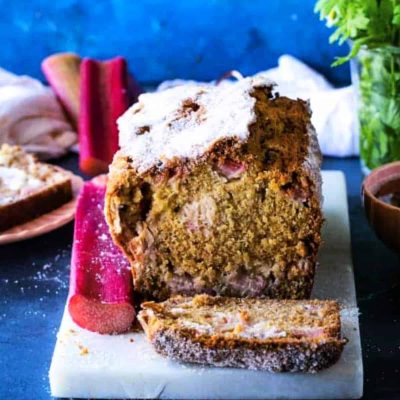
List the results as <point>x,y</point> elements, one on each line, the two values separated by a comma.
<point>259,334</point>
<point>29,188</point>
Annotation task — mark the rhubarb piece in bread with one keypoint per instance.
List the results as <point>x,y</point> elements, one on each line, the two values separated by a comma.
<point>260,334</point>
<point>216,189</point>
<point>100,298</point>
<point>29,188</point>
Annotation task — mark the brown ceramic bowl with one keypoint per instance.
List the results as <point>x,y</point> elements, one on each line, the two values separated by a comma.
<point>384,218</point>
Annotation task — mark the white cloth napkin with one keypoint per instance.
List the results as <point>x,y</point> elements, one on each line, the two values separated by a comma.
<point>334,110</point>
<point>30,116</point>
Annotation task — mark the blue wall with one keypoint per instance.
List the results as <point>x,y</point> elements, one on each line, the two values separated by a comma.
<point>198,39</point>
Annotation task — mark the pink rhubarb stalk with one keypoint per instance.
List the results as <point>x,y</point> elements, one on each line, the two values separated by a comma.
<point>101,292</point>
<point>62,72</point>
<point>107,91</point>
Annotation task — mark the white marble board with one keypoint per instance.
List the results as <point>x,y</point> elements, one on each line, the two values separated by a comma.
<point>88,365</point>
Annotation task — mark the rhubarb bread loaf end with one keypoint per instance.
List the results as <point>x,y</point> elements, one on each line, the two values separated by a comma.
<point>216,190</point>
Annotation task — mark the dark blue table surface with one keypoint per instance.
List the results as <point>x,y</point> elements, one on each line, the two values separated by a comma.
<point>34,285</point>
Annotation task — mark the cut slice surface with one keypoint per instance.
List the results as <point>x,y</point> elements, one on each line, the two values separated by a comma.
<point>249,318</point>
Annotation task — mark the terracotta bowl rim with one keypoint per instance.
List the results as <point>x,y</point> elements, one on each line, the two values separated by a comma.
<point>367,192</point>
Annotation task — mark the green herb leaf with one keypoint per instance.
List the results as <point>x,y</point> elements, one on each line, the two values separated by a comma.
<point>374,22</point>
<point>396,16</point>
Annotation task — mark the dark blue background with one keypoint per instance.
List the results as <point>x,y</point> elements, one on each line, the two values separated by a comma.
<point>198,39</point>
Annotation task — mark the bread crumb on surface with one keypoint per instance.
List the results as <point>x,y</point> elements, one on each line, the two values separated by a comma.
<point>84,351</point>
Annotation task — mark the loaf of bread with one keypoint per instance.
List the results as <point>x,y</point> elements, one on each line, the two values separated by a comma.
<point>216,189</point>
<point>29,188</point>
<point>260,334</point>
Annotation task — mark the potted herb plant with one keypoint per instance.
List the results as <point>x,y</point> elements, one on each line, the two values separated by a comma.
<point>373,29</point>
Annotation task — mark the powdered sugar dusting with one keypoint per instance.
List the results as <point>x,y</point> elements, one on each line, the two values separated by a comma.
<point>186,121</point>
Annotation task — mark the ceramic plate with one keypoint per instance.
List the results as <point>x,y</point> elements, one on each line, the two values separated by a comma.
<point>47,222</point>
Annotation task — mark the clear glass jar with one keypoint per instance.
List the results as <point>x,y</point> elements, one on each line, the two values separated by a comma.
<point>376,77</point>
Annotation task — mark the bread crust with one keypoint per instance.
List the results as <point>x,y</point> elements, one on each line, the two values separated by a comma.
<point>272,356</point>
<point>171,338</point>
